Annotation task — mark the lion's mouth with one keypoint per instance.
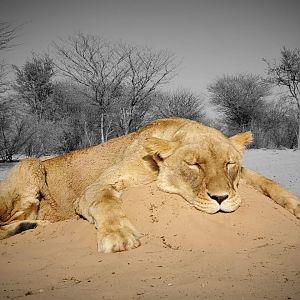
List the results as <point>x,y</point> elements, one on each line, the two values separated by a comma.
<point>212,206</point>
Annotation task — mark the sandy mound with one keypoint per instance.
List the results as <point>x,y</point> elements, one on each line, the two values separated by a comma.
<point>252,253</point>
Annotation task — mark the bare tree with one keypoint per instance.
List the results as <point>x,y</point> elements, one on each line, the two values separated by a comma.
<point>8,33</point>
<point>286,73</point>
<point>148,69</point>
<point>34,83</point>
<point>276,126</point>
<point>181,103</point>
<point>3,103</point>
<point>114,75</point>
<point>239,98</point>
<point>97,65</point>
<point>3,81</point>
<point>14,135</point>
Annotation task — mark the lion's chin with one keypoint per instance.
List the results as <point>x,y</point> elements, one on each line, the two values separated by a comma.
<point>231,204</point>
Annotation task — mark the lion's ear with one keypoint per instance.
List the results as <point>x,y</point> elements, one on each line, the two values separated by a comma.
<point>162,148</point>
<point>241,140</point>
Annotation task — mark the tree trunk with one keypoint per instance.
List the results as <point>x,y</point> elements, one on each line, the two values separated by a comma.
<point>298,133</point>
<point>124,121</point>
<point>102,127</point>
<point>298,119</point>
<point>298,137</point>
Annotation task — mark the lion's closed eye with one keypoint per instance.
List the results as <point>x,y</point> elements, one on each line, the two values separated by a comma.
<point>194,166</point>
<point>231,165</point>
<point>232,168</point>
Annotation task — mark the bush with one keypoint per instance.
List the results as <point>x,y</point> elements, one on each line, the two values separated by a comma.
<point>276,127</point>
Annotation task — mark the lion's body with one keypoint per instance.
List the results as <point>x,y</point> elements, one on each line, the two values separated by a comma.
<point>185,157</point>
<point>80,169</point>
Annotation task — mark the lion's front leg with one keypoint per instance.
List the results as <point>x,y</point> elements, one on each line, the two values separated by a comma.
<point>102,206</point>
<point>273,190</point>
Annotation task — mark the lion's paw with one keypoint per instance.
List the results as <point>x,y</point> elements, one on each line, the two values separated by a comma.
<point>116,240</point>
<point>297,211</point>
<point>293,206</point>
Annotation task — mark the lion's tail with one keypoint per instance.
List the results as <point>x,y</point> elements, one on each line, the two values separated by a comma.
<point>273,190</point>
<point>15,228</point>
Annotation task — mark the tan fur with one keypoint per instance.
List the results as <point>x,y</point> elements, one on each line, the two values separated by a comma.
<point>185,157</point>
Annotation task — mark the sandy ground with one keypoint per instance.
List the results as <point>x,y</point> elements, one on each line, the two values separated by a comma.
<point>252,253</point>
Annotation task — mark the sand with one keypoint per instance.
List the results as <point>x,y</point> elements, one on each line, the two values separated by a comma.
<point>252,253</point>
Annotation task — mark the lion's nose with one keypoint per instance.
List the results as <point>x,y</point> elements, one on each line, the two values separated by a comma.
<point>218,198</point>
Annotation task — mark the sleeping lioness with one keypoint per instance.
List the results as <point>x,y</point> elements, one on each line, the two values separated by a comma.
<point>184,157</point>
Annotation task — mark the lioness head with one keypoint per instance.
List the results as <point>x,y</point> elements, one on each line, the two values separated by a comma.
<point>201,165</point>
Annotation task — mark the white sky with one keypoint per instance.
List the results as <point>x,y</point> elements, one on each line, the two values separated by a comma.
<point>212,37</point>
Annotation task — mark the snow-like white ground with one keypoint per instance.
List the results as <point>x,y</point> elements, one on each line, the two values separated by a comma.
<point>4,168</point>
<point>282,166</point>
